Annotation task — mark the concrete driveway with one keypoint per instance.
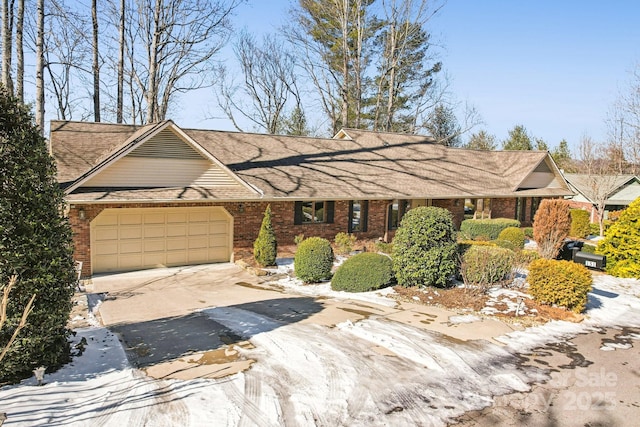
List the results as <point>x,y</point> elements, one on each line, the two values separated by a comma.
<point>172,321</point>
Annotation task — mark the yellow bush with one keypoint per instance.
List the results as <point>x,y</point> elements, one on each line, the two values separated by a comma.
<point>562,283</point>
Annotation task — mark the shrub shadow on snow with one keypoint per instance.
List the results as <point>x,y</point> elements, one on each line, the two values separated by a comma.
<point>151,342</point>
<point>593,298</point>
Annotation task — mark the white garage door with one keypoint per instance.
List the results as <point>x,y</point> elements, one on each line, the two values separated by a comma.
<point>134,239</point>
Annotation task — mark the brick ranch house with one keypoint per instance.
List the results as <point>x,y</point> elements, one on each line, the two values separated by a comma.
<point>158,195</point>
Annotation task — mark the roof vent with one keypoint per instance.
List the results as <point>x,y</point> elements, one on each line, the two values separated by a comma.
<point>385,143</point>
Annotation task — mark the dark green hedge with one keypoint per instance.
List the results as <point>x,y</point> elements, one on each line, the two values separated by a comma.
<point>363,272</point>
<point>486,228</point>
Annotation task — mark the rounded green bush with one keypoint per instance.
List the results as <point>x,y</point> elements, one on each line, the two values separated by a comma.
<point>563,283</point>
<point>514,235</point>
<point>485,265</point>
<point>363,272</point>
<point>424,248</point>
<point>580,227</point>
<point>621,243</point>
<point>506,244</point>
<point>313,260</point>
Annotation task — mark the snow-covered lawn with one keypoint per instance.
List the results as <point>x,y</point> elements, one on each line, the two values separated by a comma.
<point>373,372</point>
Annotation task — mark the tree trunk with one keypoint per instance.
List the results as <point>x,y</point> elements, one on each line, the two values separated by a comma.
<point>40,65</point>
<point>120,99</point>
<point>152,90</point>
<point>6,45</point>
<point>20,52</point>
<point>96,65</point>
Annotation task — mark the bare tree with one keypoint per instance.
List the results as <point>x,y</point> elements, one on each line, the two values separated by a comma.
<point>20,51</point>
<point>95,64</point>
<point>40,65</point>
<point>120,72</point>
<point>269,84</point>
<point>7,29</point>
<point>600,178</point>
<point>336,37</point>
<point>179,39</point>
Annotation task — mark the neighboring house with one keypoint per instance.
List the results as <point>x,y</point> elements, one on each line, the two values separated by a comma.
<point>158,195</point>
<point>615,191</point>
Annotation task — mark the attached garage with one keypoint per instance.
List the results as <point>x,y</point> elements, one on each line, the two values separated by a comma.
<point>138,238</point>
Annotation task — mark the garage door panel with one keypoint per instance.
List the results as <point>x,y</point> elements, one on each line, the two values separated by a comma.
<point>176,230</point>
<point>128,232</point>
<point>218,227</point>
<point>154,245</point>
<point>110,248</point>
<point>176,258</point>
<point>151,231</point>
<point>198,217</point>
<point>138,238</point>
<point>198,229</point>
<point>130,219</point>
<point>176,244</point>
<point>154,218</point>
<point>177,217</point>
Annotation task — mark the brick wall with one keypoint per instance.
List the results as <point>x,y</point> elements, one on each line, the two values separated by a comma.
<point>247,218</point>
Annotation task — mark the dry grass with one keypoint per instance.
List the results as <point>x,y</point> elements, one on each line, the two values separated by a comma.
<point>462,298</point>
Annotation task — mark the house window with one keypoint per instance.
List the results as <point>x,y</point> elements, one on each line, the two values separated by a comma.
<point>397,210</point>
<point>358,216</point>
<point>535,203</point>
<point>313,212</point>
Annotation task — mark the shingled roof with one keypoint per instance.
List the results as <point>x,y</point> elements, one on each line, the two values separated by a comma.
<point>356,164</point>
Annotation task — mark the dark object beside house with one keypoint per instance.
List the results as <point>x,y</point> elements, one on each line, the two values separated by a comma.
<point>572,251</point>
<point>590,260</point>
<point>569,249</point>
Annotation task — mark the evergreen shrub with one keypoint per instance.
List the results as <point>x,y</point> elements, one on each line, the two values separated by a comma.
<point>528,232</point>
<point>424,248</point>
<point>580,227</point>
<point>551,226</point>
<point>487,228</point>
<point>363,272</point>
<point>485,265</point>
<point>265,247</point>
<point>344,243</point>
<point>313,260</point>
<point>621,243</point>
<point>514,235</point>
<point>563,283</point>
<point>506,244</point>
<point>35,245</point>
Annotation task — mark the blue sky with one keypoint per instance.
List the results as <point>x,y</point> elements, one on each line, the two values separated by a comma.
<point>553,66</point>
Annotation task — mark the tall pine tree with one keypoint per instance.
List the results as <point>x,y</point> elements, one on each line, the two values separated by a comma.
<point>35,245</point>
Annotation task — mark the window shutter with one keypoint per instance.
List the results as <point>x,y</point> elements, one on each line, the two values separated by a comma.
<point>349,227</point>
<point>364,215</point>
<point>329,206</point>
<point>297,213</point>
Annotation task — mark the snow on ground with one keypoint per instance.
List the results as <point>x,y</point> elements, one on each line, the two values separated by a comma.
<point>374,372</point>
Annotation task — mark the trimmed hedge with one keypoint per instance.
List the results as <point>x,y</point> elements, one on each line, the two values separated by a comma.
<point>563,283</point>
<point>424,248</point>
<point>580,227</point>
<point>489,228</point>
<point>514,235</point>
<point>363,272</point>
<point>313,260</point>
<point>485,265</point>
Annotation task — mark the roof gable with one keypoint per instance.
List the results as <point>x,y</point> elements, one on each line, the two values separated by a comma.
<point>160,156</point>
<point>617,189</point>
<point>544,175</point>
